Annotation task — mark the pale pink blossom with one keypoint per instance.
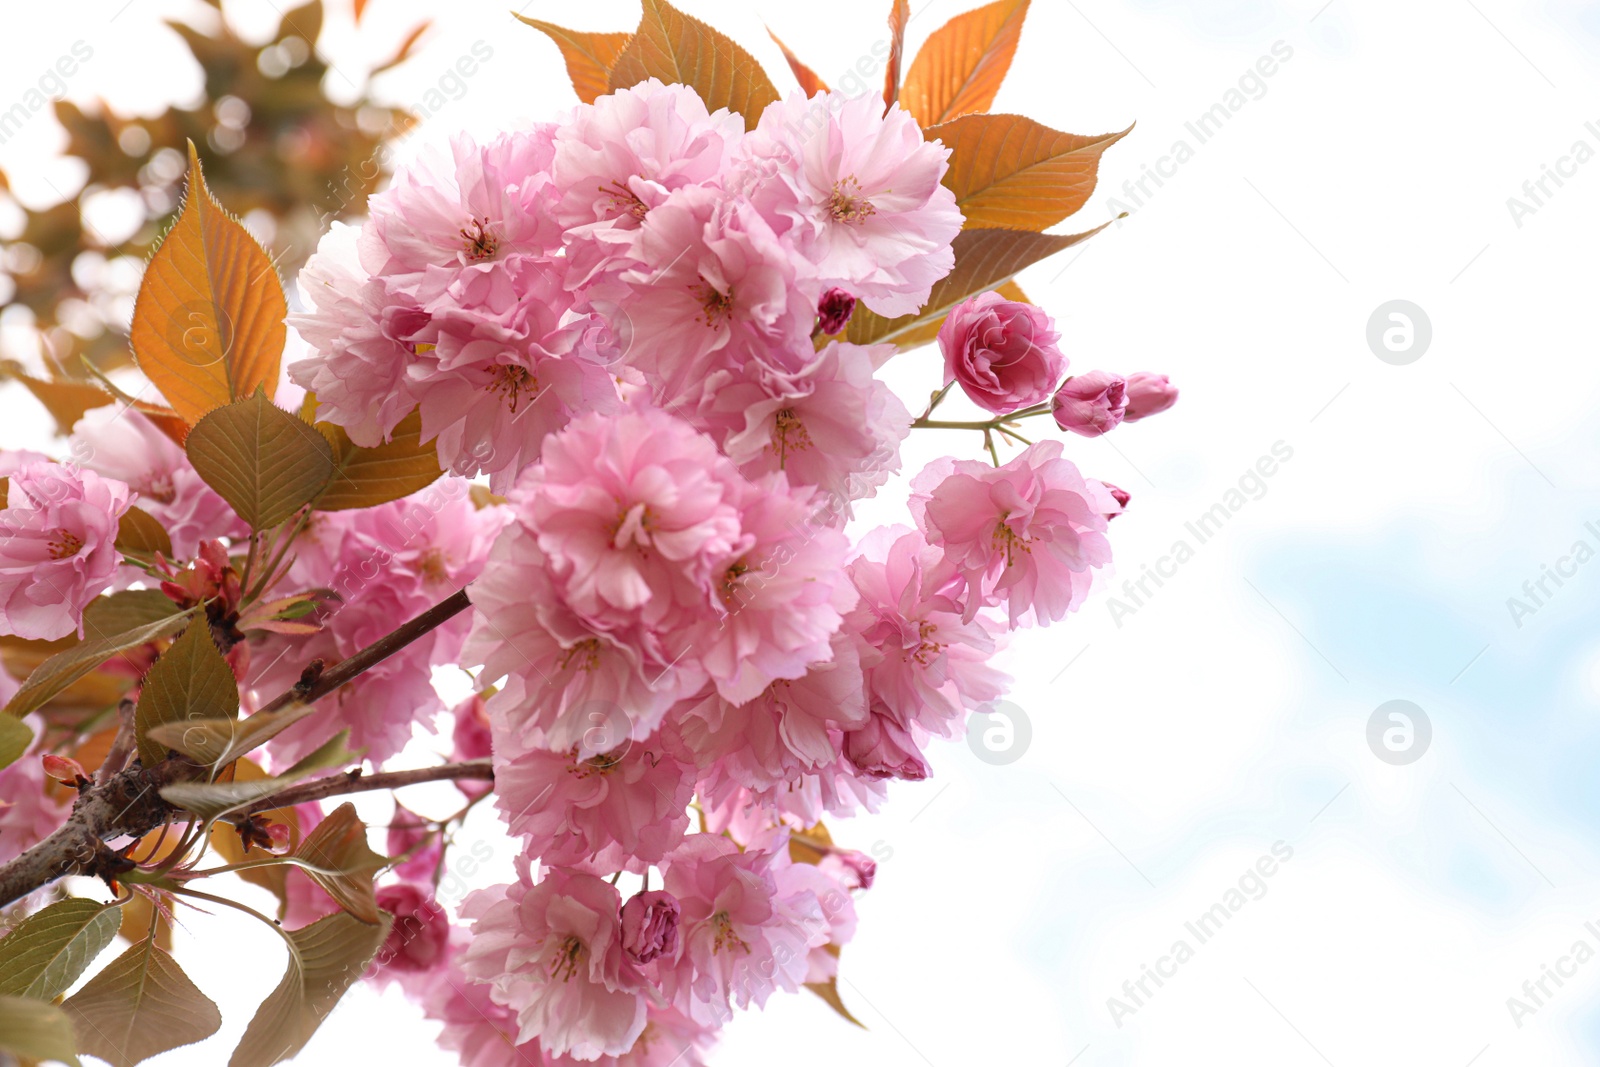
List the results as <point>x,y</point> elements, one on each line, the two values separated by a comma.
<point>362,338</point>
<point>621,809</point>
<point>553,953</point>
<point>830,424</point>
<point>1003,353</point>
<point>925,663</point>
<point>716,289</point>
<point>741,937</point>
<point>1028,534</point>
<point>57,548</point>
<point>861,195</point>
<point>418,940</point>
<point>620,157</point>
<point>886,748</point>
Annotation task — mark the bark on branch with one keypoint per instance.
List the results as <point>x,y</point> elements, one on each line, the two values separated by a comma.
<point>128,803</point>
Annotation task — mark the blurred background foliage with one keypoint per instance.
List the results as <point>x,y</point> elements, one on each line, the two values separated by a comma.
<point>277,151</point>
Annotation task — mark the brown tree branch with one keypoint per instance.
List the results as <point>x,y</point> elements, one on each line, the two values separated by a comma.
<point>354,781</point>
<point>129,804</point>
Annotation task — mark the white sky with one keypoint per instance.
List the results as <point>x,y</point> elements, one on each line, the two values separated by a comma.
<point>1229,712</point>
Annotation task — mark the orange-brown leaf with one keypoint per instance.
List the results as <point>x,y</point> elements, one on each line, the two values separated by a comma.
<point>407,46</point>
<point>65,399</point>
<point>985,260</point>
<point>208,322</point>
<point>809,80</point>
<point>1011,173</point>
<point>960,68</point>
<point>899,15</point>
<point>680,49</point>
<point>589,56</point>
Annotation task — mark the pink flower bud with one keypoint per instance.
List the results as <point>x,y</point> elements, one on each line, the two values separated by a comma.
<point>472,741</point>
<point>419,938</point>
<point>834,311</point>
<point>1149,394</point>
<point>63,768</point>
<point>1003,353</point>
<point>650,926</point>
<point>1120,495</point>
<point>1091,404</point>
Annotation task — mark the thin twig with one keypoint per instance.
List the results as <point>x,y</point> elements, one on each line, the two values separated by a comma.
<point>354,781</point>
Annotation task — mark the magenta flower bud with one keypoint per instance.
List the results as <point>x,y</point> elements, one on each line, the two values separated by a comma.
<point>1149,394</point>
<point>419,937</point>
<point>1091,404</point>
<point>1003,353</point>
<point>650,926</point>
<point>1120,495</point>
<point>834,311</point>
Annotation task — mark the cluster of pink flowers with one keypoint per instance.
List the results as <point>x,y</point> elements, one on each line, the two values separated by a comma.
<point>631,323</point>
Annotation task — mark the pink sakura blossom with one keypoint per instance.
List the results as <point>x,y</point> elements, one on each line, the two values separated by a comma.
<point>119,442</point>
<point>445,232</point>
<point>837,912</point>
<point>859,195</point>
<point>716,289</point>
<point>619,810</point>
<point>620,157</point>
<point>650,926</point>
<point>741,937</point>
<point>57,548</point>
<point>790,729</point>
<point>362,338</point>
<point>1149,394</point>
<point>886,748</point>
<point>28,813</point>
<point>553,952</point>
<point>831,424</point>
<point>561,679</point>
<point>925,663</point>
<point>1028,534</point>
<point>1003,353</point>
<point>472,739</point>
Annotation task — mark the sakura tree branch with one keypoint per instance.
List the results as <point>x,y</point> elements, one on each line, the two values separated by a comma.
<point>128,802</point>
<point>317,683</point>
<point>354,781</point>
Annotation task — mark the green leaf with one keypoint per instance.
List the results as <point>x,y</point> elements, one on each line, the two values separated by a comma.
<point>262,460</point>
<point>190,681</point>
<point>366,477</point>
<point>48,951</point>
<point>141,1005</point>
<point>15,737</point>
<point>139,535</point>
<point>337,858</point>
<point>985,260</point>
<point>68,665</point>
<point>325,959</point>
<point>679,49</point>
<point>218,742</point>
<point>126,610</point>
<point>212,799</point>
<point>35,1030</point>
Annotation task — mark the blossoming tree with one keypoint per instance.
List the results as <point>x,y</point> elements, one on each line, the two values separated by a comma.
<point>587,411</point>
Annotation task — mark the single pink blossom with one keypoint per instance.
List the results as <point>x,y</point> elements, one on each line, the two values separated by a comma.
<point>553,953</point>
<point>1004,354</point>
<point>650,926</point>
<point>57,548</point>
<point>858,192</point>
<point>1028,534</point>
